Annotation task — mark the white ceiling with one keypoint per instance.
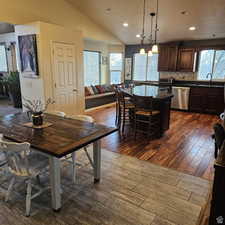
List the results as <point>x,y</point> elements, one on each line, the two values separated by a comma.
<point>207,15</point>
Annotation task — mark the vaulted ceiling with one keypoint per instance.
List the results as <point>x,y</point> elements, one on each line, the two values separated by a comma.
<point>208,16</point>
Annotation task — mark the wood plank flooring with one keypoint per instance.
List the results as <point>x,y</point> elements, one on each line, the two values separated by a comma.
<point>131,192</point>
<point>187,146</point>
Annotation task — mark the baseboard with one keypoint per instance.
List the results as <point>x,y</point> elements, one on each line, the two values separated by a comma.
<point>101,107</point>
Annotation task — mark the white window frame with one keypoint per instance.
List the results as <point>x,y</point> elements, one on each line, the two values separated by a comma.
<point>213,65</point>
<point>121,71</point>
<point>100,73</point>
<point>6,58</point>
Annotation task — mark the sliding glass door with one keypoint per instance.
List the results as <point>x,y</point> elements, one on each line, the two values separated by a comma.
<point>145,68</point>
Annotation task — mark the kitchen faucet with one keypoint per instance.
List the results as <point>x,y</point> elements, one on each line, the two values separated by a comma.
<point>210,81</point>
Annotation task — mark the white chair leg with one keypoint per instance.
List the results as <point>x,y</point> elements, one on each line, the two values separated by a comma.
<point>74,167</point>
<point>12,181</point>
<point>28,198</point>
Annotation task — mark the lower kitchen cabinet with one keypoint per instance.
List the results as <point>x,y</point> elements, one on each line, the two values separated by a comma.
<point>206,100</point>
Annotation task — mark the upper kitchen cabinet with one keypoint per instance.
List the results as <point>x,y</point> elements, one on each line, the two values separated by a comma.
<point>186,60</point>
<point>167,58</point>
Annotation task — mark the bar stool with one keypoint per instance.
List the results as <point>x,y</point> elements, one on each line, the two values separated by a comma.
<point>124,109</point>
<point>146,116</point>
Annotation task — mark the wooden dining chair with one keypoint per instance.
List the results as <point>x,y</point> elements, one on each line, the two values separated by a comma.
<point>23,163</point>
<point>73,155</point>
<point>146,116</point>
<point>124,108</point>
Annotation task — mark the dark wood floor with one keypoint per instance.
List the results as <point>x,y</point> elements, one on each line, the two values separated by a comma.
<point>187,146</point>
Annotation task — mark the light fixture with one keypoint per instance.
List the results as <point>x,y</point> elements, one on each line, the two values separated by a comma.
<point>155,48</point>
<point>142,50</point>
<point>125,24</point>
<point>150,53</point>
<point>192,28</point>
<point>150,37</point>
<point>138,35</point>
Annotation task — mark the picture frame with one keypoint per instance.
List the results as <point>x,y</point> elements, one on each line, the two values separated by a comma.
<point>28,55</point>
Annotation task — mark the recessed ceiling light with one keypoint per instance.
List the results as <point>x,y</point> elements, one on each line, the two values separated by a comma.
<point>192,28</point>
<point>138,35</point>
<point>184,13</point>
<point>125,24</point>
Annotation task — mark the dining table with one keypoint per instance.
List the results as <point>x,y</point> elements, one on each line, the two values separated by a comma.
<point>62,137</point>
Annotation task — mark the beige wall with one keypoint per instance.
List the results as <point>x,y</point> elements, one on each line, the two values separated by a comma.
<point>53,11</point>
<point>43,86</point>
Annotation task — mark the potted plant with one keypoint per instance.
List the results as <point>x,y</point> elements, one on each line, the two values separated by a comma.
<point>36,109</point>
<point>12,82</point>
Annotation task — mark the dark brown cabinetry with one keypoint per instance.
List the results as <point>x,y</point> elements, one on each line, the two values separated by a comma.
<point>172,58</point>
<point>167,58</point>
<point>206,100</point>
<point>186,60</point>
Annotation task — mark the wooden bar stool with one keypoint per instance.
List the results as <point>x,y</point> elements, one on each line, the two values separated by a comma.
<point>146,116</point>
<point>124,109</point>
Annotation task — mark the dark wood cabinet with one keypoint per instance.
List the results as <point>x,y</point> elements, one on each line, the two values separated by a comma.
<point>206,100</point>
<point>186,60</point>
<point>167,58</point>
<point>172,58</point>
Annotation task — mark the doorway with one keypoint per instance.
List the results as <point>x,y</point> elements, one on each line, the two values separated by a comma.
<point>65,77</point>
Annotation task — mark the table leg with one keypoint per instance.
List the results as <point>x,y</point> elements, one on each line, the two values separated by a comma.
<point>97,160</point>
<point>55,182</point>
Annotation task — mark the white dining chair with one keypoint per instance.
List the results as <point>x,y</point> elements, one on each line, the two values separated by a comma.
<point>26,165</point>
<point>58,113</point>
<point>73,155</point>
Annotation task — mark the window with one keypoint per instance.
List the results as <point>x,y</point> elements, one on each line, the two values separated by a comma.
<point>116,67</point>
<point>211,61</point>
<point>145,68</point>
<point>3,59</point>
<point>92,74</point>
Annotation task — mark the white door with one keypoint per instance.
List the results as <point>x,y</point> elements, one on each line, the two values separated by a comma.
<point>65,77</point>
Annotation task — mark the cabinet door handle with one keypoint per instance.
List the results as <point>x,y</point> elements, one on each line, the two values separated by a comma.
<point>74,90</point>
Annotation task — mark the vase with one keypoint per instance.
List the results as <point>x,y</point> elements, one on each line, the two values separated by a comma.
<point>37,118</point>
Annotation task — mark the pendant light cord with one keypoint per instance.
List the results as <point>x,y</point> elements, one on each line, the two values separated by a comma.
<point>156,22</point>
<point>143,27</point>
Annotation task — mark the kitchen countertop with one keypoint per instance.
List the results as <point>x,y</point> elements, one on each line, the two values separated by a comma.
<point>186,84</point>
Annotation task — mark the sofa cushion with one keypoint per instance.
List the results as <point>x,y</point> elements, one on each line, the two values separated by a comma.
<point>95,90</point>
<point>100,88</point>
<point>87,92</point>
<point>90,90</point>
<point>109,88</point>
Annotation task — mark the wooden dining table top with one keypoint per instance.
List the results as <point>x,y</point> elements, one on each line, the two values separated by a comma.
<point>61,138</point>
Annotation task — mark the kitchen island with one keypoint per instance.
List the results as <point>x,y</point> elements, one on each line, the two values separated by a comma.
<point>162,96</point>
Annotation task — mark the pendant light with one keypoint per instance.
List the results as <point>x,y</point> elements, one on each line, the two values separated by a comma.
<point>150,38</point>
<point>155,49</point>
<point>142,50</point>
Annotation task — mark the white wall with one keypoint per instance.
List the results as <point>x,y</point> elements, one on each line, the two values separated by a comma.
<point>9,38</point>
<point>43,86</point>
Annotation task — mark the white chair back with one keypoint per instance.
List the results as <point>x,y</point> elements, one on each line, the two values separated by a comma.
<point>16,155</point>
<point>58,113</point>
<point>83,118</point>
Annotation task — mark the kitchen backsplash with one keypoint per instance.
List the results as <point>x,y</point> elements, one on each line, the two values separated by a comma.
<point>179,75</point>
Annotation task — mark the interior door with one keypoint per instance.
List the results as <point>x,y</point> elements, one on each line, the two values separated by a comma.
<point>65,77</point>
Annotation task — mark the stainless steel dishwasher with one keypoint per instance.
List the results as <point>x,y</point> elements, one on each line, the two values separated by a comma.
<point>181,98</point>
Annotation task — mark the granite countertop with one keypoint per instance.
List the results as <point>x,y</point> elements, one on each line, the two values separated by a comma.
<point>184,83</point>
<point>150,91</point>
